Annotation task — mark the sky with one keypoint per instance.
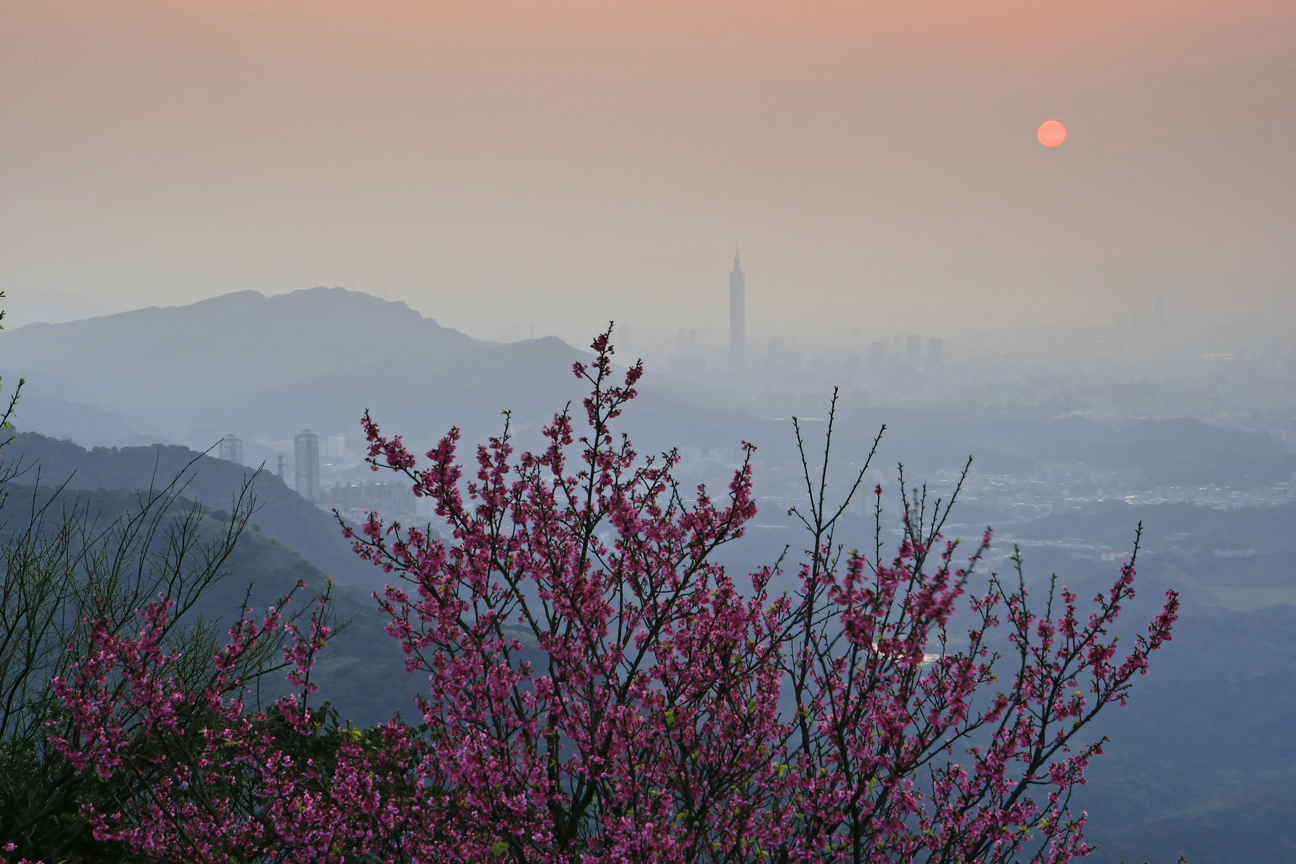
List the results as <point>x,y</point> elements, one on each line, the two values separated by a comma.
<point>502,166</point>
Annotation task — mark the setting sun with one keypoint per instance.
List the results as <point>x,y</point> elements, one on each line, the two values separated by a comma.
<point>1052,133</point>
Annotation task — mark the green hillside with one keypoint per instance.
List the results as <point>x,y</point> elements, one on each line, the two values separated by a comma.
<point>281,512</point>
<point>363,672</point>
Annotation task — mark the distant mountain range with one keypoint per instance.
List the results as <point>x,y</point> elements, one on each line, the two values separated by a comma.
<point>268,366</point>
<point>265,367</point>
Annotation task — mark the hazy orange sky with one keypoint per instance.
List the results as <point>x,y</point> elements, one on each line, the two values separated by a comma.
<point>501,163</point>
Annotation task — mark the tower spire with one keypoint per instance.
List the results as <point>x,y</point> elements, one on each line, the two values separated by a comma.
<point>737,307</point>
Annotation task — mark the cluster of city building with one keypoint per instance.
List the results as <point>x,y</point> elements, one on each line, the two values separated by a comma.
<point>348,497</point>
<point>781,367</point>
<point>1146,363</point>
<point>306,461</point>
<point>1138,368</point>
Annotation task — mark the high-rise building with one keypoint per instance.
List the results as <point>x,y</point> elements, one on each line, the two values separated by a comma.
<point>306,444</point>
<point>737,308</point>
<point>936,350</point>
<point>913,348</point>
<point>231,449</point>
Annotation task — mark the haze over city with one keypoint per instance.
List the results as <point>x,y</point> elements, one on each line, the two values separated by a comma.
<point>1056,238</point>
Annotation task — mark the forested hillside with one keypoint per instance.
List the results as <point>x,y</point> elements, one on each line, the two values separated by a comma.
<point>282,513</point>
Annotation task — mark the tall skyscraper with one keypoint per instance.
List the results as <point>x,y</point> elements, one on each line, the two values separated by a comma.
<point>936,350</point>
<point>306,444</point>
<point>737,308</point>
<point>913,349</point>
<point>231,449</point>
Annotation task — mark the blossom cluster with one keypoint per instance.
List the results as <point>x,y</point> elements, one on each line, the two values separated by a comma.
<point>601,690</point>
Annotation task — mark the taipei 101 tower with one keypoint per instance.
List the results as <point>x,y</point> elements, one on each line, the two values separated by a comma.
<point>737,308</point>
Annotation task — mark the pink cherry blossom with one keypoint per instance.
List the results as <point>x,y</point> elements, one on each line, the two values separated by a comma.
<point>600,690</point>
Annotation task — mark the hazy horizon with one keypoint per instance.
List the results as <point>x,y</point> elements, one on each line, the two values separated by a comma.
<point>267,226</point>
<point>500,165</point>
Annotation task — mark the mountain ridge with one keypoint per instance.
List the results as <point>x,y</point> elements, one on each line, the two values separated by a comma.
<point>162,368</point>
<point>281,512</point>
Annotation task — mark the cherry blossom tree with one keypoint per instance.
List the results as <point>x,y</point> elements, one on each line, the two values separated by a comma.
<point>601,690</point>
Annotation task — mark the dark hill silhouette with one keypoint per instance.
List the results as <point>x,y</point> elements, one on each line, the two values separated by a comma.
<point>281,513</point>
<point>362,672</point>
